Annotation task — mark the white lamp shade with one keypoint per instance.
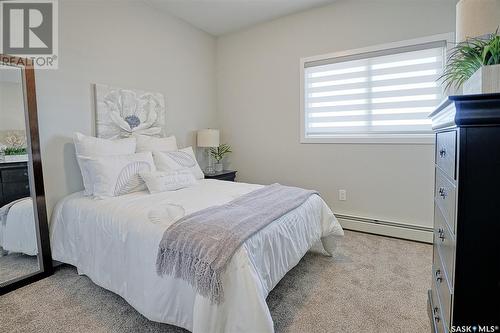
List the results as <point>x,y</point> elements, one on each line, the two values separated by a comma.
<point>477,18</point>
<point>208,138</point>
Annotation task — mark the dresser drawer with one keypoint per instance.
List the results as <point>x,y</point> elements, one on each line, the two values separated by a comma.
<point>441,289</point>
<point>446,151</point>
<point>434,311</point>
<point>445,197</point>
<point>14,191</point>
<point>14,175</point>
<point>444,243</point>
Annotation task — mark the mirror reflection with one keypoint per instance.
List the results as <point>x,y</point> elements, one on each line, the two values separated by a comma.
<point>18,243</point>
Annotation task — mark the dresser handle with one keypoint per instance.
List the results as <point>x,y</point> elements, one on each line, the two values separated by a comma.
<point>442,152</point>
<point>436,317</point>
<point>441,234</point>
<point>442,192</point>
<point>25,174</point>
<point>439,278</point>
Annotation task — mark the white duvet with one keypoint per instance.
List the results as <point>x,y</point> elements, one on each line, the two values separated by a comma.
<point>17,227</point>
<point>115,243</point>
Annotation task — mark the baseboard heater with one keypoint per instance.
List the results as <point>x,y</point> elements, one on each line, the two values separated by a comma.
<point>386,228</point>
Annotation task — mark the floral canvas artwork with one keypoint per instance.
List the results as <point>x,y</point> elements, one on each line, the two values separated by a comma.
<point>123,112</point>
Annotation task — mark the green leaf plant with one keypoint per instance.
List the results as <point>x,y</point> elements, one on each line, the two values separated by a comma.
<point>469,56</point>
<point>218,153</point>
<point>15,151</point>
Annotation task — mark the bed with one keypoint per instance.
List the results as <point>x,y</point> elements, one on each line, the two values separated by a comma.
<point>17,227</point>
<point>115,242</point>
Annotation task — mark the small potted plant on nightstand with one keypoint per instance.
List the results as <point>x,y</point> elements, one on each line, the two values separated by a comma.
<point>218,153</point>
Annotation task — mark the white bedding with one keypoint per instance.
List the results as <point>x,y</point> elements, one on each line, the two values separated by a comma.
<point>17,228</point>
<point>115,243</point>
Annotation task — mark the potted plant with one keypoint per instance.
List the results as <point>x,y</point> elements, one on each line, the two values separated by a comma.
<point>15,154</point>
<point>15,148</point>
<point>475,65</point>
<point>218,153</point>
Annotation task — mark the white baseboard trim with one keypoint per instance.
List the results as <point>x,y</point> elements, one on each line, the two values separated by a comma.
<point>385,228</point>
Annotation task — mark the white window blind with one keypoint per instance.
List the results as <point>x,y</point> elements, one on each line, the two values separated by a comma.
<point>381,92</point>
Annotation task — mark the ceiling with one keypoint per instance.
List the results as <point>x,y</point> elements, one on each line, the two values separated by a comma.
<point>218,17</point>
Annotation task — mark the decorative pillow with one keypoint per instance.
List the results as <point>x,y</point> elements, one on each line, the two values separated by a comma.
<point>150,143</point>
<point>161,181</point>
<point>176,160</point>
<point>113,176</point>
<point>89,146</point>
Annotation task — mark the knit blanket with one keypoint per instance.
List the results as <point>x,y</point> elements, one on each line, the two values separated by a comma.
<point>198,247</point>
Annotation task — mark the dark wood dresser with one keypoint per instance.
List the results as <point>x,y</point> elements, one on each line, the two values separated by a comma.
<point>14,183</point>
<point>466,261</point>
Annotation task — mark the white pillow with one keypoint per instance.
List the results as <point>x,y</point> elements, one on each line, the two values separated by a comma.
<point>176,160</point>
<point>150,143</point>
<point>89,146</point>
<point>161,181</point>
<point>112,176</point>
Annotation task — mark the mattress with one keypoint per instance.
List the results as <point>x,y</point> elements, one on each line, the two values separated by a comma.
<point>115,242</point>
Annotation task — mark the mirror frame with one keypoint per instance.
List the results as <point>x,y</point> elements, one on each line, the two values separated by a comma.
<point>35,172</point>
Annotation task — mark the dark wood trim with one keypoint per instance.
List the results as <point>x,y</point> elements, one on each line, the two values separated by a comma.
<point>22,281</point>
<point>440,107</point>
<point>35,174</point>
<point>473,110</point>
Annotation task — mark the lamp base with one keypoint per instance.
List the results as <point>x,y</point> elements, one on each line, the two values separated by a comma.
<point>210,167</point>
<point>210,170</point>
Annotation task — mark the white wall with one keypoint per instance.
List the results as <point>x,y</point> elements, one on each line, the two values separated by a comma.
<point>126,44</point>
<point>258,105</point>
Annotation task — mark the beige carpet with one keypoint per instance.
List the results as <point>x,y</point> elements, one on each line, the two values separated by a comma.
<point>373,284</point>
<point>14,265</point>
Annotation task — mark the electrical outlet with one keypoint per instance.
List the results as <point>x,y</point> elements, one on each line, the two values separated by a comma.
<point>342,195</point>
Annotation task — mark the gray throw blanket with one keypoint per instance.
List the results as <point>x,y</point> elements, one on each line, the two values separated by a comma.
<point>199,246</point>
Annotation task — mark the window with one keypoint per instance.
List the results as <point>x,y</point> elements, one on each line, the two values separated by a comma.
<point>385,92</point>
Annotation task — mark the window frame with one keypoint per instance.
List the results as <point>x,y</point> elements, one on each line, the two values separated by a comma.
<point>368,138</point>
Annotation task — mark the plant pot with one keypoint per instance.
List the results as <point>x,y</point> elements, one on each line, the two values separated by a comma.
<point>16,158</point>
<point>219,167</point>
<point>485,80</point>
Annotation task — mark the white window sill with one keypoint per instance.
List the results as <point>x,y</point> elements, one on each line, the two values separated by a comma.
<point>385,139</point>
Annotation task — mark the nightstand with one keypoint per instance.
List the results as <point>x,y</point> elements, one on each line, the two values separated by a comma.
<point>228,175</point>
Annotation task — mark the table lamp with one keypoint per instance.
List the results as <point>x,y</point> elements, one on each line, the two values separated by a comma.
<point>476,18</point>
<point>208,138</point>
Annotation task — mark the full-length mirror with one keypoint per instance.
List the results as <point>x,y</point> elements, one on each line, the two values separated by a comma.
<point>23,221</point>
